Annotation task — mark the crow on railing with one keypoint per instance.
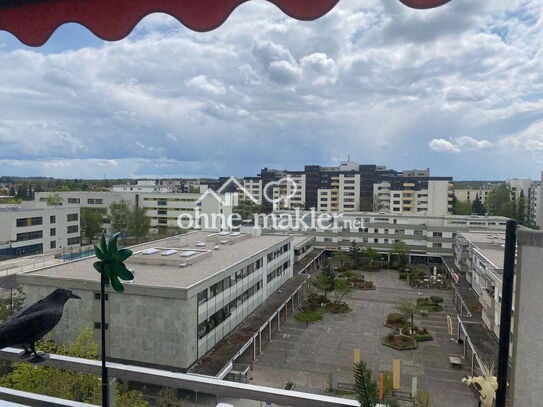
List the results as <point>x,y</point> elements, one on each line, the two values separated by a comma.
<point>34,322</point>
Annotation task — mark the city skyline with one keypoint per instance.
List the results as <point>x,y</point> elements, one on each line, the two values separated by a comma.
<point>459,94</point>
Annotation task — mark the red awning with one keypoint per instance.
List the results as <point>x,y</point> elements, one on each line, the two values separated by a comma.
<point>33,21</point>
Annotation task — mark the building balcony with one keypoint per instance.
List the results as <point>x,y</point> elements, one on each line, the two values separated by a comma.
<point>408,184</point>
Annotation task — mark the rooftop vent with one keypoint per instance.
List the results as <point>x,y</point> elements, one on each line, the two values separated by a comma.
<point>187,253</point>
<point>168,252</point>
<point>200,244</point>
<point>183,265</point>
<point>150,251</point>
<point>217,247</point>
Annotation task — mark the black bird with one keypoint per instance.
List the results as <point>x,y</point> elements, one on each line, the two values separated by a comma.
<point>34,322</point>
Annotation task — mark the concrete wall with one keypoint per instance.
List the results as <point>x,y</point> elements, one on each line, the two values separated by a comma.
<point>527,372</point>
<point>146,329</point>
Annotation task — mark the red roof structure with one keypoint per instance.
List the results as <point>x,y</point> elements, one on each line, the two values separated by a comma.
<point>33,21</point>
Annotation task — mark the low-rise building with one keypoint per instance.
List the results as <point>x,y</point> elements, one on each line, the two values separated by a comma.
<point>426,237</point>
<point>37,228</point>
<point>188,293</point>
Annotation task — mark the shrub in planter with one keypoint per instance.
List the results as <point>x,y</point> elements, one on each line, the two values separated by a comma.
<point>436,300</point>
<point>395,318</point>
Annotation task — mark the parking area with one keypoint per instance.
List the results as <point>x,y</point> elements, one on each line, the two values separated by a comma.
<point>307,355</point>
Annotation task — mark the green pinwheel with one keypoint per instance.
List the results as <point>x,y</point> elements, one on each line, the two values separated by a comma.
<point>111,262</point>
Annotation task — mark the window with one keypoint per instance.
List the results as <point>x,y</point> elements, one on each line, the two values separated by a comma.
<point>162,202</point>
<point>94,201</point>
<point>38,234</point>
<point>52,219</point>
<point>98,325</point>
<point>72,217</point>
<point>38,220</point>
<point>438,234</point>
<point>73,229</point>
<point>202,296</point>
<point>53,244</point>
<point>162,211</point>
<point>52,232</point>
<point>73,200</point>
<point>73,240</point>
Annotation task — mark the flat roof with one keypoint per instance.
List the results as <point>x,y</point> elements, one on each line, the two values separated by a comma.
<point>490,244</point>
<point>163,268</point>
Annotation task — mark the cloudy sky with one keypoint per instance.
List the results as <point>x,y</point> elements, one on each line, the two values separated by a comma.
<point>458,89</point>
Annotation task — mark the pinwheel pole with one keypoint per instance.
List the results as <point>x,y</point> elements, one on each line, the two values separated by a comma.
<point>111,267</point>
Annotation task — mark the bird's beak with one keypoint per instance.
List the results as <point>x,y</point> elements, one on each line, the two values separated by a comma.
<point>72,295</point>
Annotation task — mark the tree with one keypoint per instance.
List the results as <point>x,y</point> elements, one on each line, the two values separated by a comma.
<point>366,388</point>
<point>356,255</point>
<point>372,254</point>
<point>55,200</point>
<point>138,223</point>
<point>343,258</point>
<point>120,213</point>
<point>341,288</point>
<point>15,303</point>
<point>408,310</point>
<point>91,223</point>
<point>400,249</point>
<point>246,209</point>
<point>497,198</point>
<point>326,279</point>
<point>477,206</point>
<point>521,209</point>
<point>462,208</point>
<point>67,384</point>
<point>168,398</point>
<point>508,209</point>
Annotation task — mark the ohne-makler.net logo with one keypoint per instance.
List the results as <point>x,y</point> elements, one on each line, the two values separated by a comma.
<point>293,220</point>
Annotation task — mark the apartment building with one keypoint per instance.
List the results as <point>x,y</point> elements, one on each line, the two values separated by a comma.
<point>428,238</point>
<point>189,292</point>
<point>413,196</point>
<point>162,208</point>
<point>37,228</point>
<point>479,256</point>
<point>350,187</point>
<point>538,207</point>
<point>470,194</point>
<point>149,186</point>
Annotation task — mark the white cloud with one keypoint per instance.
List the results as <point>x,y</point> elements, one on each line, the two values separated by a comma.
<point>211,86</point>
<point>459,145</point>
<point>374,79</point>
<point>530,139</point>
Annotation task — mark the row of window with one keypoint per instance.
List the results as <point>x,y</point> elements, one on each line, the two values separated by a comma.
<point>224,313</point>
<point>229,281</point>
<point>279,271</point>
<point>276,253</point>
<point>38,220</point>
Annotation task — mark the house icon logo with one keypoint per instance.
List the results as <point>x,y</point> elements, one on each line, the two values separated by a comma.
<point>226,199</point>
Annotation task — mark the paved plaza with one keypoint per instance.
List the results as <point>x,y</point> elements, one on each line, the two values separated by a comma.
<point>314,351</point>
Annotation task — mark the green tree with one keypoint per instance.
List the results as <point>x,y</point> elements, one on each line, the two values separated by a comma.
<point>168,398</point>
<point>356,255</point>
<point>138,223</point>
<point>343,259</point>
<point>55,200</point>
<point>15,303</point>
<point>341,288</point>
<point>66,384</point>
<point>120,215</point>
<point>508,209</point>
<point>91,224</point>
<point>366,388</point>
<point>326,279</point>
<point>521,210</point>
<point>497,198</point>
<point>372,254</point>
<point>408,310</point>
<point>477,206</point>
<point>402,252</point>
<point>247,209</point>
<point>462,208</point>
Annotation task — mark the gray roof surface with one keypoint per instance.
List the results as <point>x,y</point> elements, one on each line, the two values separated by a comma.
<point>170,274</point>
